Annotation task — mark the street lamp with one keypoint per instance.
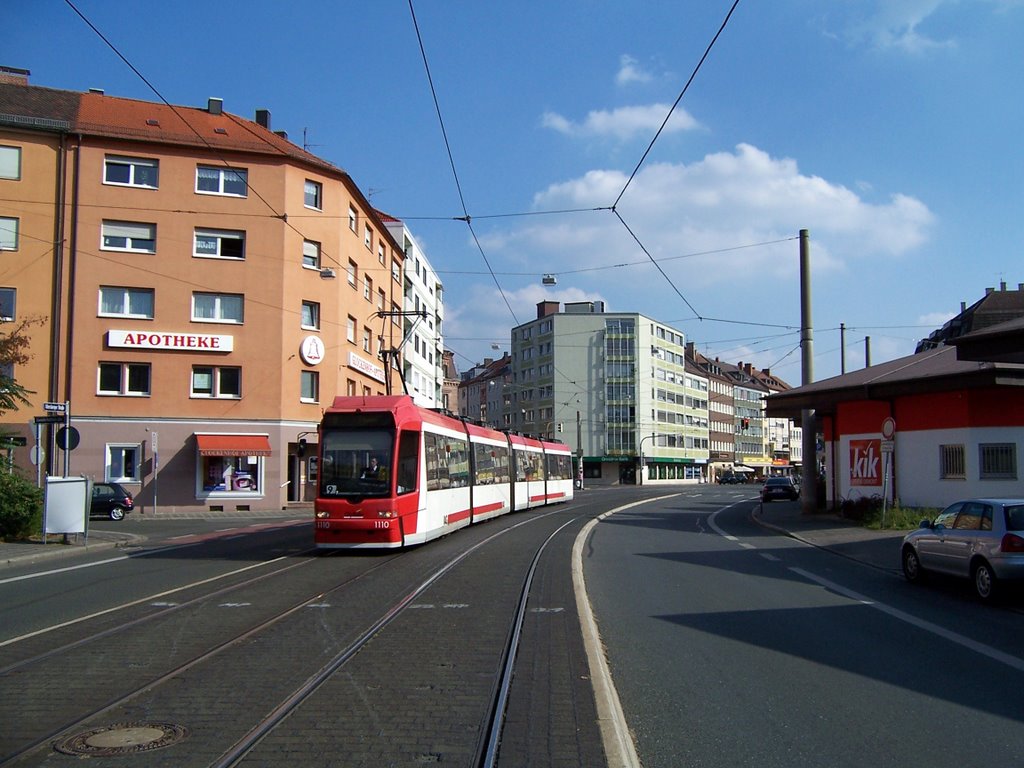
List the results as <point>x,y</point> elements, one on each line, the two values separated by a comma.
<point>646,437</point>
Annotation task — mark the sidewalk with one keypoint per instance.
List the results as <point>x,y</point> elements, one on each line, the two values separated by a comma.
<point>880,549</point>
<point>28,551</point>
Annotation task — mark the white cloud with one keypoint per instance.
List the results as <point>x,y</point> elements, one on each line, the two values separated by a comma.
<point>936,319</point>
<point>903,24</point>
<point>630,71</point>
<point>724,230</point>
<point>622,123</point>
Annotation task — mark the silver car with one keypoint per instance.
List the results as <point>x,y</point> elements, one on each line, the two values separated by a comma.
<point>980,539</point>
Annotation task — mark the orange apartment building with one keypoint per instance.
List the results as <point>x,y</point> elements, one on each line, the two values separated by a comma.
<point>207,288</point>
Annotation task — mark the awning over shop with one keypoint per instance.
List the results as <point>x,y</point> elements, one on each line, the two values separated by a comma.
<point>233,445</point>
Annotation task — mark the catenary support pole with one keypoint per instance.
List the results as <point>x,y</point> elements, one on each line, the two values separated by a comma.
<point>809,443</point>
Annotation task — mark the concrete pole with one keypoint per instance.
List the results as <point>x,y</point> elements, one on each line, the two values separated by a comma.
<point>809,443</point>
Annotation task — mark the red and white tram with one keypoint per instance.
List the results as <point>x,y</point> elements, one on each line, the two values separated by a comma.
<point>394,474</point>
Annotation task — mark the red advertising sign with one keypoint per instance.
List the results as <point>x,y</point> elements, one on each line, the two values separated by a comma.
<point>865,462</point>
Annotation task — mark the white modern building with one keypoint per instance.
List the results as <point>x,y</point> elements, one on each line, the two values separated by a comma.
<point>422,322</point>
<point>614,387</point>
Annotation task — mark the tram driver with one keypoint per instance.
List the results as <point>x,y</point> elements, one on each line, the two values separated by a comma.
<point>374,471</point>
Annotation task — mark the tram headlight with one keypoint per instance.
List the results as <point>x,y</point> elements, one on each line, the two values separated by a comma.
<point>386,513</point>
<point>322,513</point>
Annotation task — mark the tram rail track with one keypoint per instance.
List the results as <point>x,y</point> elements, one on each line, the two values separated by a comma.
<point>287,702</point>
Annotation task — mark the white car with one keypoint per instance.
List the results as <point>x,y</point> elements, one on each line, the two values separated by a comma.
<point>980,539</point>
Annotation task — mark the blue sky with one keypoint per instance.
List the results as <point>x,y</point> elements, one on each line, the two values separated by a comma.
<point>890,129</point>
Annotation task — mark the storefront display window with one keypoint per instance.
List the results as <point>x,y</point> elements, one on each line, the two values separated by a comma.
<point>232,474</point>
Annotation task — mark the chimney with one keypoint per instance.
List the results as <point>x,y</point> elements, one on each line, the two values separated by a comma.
<point>748,368</point>
<point>545,308</point>
<point>963,307</point>
<point>215,106</point>
<point>989,290</point>
<point>691,350</point>
<point>282,134</point>
<point>263,118</point>
<point>1002,285</point>
<point>97,91</point>
<point>766,371</point>
<point>14,76</point>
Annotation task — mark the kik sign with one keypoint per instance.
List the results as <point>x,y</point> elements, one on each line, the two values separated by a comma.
<point>865,462</point>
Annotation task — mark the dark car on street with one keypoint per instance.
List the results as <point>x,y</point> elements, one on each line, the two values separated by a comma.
<point>731,478</point>
<point>110,500</point>
<point>779,488</point>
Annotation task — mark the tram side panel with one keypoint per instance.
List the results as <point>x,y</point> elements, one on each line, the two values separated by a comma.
<point>490,473</point>
<point>558,474</point>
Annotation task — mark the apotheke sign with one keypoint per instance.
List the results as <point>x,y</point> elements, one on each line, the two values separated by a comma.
<point>365,366</point>
<point>194,342</point>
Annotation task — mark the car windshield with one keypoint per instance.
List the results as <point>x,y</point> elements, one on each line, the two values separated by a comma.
<point>778,481</point>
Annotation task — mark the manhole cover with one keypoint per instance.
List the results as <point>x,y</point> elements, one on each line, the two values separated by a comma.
<point>122,739</point>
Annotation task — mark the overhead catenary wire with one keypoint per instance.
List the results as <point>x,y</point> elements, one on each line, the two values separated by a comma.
<point>451,160</point>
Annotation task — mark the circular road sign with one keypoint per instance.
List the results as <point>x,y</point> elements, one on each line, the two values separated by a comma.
<point>67,438</point>
<point>889,428</point>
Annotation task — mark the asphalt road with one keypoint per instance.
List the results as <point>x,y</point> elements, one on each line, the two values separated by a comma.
<point>731,645</point>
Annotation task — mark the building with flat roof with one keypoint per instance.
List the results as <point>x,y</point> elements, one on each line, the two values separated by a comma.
<point>615,387</point>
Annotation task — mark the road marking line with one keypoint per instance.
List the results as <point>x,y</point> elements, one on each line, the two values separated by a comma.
<point>619,748</point>
<point>927,626</point>
<point>148,599</point>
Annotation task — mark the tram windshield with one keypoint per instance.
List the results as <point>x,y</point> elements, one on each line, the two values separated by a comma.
<point>356,462</point>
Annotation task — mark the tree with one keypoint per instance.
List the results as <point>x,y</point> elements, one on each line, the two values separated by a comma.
<point>14,351</point>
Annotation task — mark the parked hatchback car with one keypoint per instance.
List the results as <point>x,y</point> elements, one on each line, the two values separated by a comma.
<point>779,488</point>
<point>110,500</point>
<point>979,539</point>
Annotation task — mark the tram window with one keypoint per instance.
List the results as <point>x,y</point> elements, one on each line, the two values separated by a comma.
<point>447,462</point>
<point>355,462</point>
<point>491,464</point>
<point>408,461</point>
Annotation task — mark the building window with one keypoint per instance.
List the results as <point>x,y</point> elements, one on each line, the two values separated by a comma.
<point>211,381</point>
<point>222,181</point>
<point>951,462</point>
<point>8,304</point>
<point>311,254</point>
<point>368,238</point>
<point>235,475</point>
<point>8,233</point>
<point>10,163</point>
<point>128,236</point>
<point>353,272</point>
<point>998,461</point>
<point>350,332</point>
<point>126,302</point>
<point>217,307</point>
<point>367,337</point>
<point>310,387</point>
<point>311,315</point>
<point>313,196</point>
<point>122,465</point>
<point>380,299</point>
<point>381,254</point>
<point>367,288</point>
<point>352,218</point>
<point>129,379</point>
<point>350,388</point>
<point>396,271</point>
<point>131,172</point>
<point>219,244</point>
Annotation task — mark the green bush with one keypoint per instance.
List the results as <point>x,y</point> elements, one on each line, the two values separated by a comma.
<point>21,507</point>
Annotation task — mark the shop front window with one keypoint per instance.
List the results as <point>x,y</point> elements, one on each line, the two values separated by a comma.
<point>241,475</point>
